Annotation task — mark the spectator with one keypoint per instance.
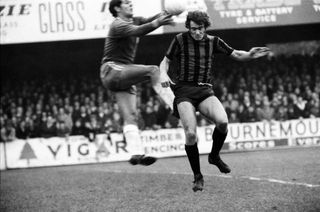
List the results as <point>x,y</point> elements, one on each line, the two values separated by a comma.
<point>233,118</point>
<point>266,112</point>
<point>48,127</point>
<point>93,127</point>
<point>8,132</point>
<point>150,118</point>
<point>313,106</point>
<point>64,119</point>
<point>162,112</point>
<point>117,121</point>
<point>84,117</point>
<point>281,114</point>
<point>101,115</point>
<point>249,114</point>
<point>62,129</point>
<point>76,111</point>
<point>172,122</point>
<point>203,122</point>
<point>24,129</point>
<point>78,128</point>
<point>299,107</point>
<point>111,126</point>
<point>231,103</point>
<point>239,112</point>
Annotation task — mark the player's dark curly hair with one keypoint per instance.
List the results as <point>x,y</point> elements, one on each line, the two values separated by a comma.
<point>199,18</point>
<point>112,5</point>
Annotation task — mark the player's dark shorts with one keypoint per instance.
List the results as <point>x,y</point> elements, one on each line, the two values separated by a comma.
<point>117,76</point>
<point>191,92</point>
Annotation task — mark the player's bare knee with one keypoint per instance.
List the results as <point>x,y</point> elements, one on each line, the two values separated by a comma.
<point>191,138</point>
<point>222,127</point>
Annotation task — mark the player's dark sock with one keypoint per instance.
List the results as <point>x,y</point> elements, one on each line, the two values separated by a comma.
<point>214,157</point>
<point>218,141</point>
<point>193,156</point>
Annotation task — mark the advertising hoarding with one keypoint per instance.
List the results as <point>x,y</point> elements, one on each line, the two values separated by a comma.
<point>26,21</point>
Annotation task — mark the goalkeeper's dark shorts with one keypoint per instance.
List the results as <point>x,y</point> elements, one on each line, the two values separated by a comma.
<point>117,76</point>
<point>192,92</point>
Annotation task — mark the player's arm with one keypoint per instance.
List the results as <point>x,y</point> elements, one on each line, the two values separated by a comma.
<point>254,53</point>
<point>164,68</point>
<point>140,30</point>
<point>172,51</point>
<point>152,18</point>
<point>165,12</point>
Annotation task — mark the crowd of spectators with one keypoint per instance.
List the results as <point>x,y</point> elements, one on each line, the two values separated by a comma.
<point>278,88</point>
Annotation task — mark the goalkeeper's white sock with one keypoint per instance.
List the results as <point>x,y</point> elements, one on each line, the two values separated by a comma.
<point>133,139</point>
<point>165,94</point>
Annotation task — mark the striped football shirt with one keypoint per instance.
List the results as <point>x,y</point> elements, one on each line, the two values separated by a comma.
<point>195,57</point>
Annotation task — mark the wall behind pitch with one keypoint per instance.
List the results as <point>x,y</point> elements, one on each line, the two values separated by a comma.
<point>161,143</point>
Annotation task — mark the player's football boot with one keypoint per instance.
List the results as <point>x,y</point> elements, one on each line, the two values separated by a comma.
<point>224,168</point>
<point>142,160</point>
<point>198,183</point>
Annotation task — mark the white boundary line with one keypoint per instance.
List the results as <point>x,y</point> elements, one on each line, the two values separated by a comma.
<point>270,180</point>
<point>281,181</point>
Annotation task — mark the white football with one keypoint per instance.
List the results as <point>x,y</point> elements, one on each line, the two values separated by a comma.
<point>175,7</point>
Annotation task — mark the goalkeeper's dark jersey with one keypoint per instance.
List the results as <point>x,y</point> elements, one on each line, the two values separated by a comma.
<point>195,57</point>
<point>121,44</point>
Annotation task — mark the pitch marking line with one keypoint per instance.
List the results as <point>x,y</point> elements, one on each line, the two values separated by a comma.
<point>231,177</point>
<point>270,180</point>
<point>281,181</point>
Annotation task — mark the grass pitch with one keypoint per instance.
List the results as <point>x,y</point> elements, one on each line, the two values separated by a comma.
<point>276,180</point>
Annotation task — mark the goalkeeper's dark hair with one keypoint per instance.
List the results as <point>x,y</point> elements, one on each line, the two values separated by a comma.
<point>112,5</point>
<point>199,17</point>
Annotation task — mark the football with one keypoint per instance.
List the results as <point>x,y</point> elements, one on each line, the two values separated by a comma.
<point>175,7</point>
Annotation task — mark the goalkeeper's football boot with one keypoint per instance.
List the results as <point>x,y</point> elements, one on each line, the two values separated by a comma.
<point>198,183</point>
<point>216,160</point>
<point>142,160</point>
